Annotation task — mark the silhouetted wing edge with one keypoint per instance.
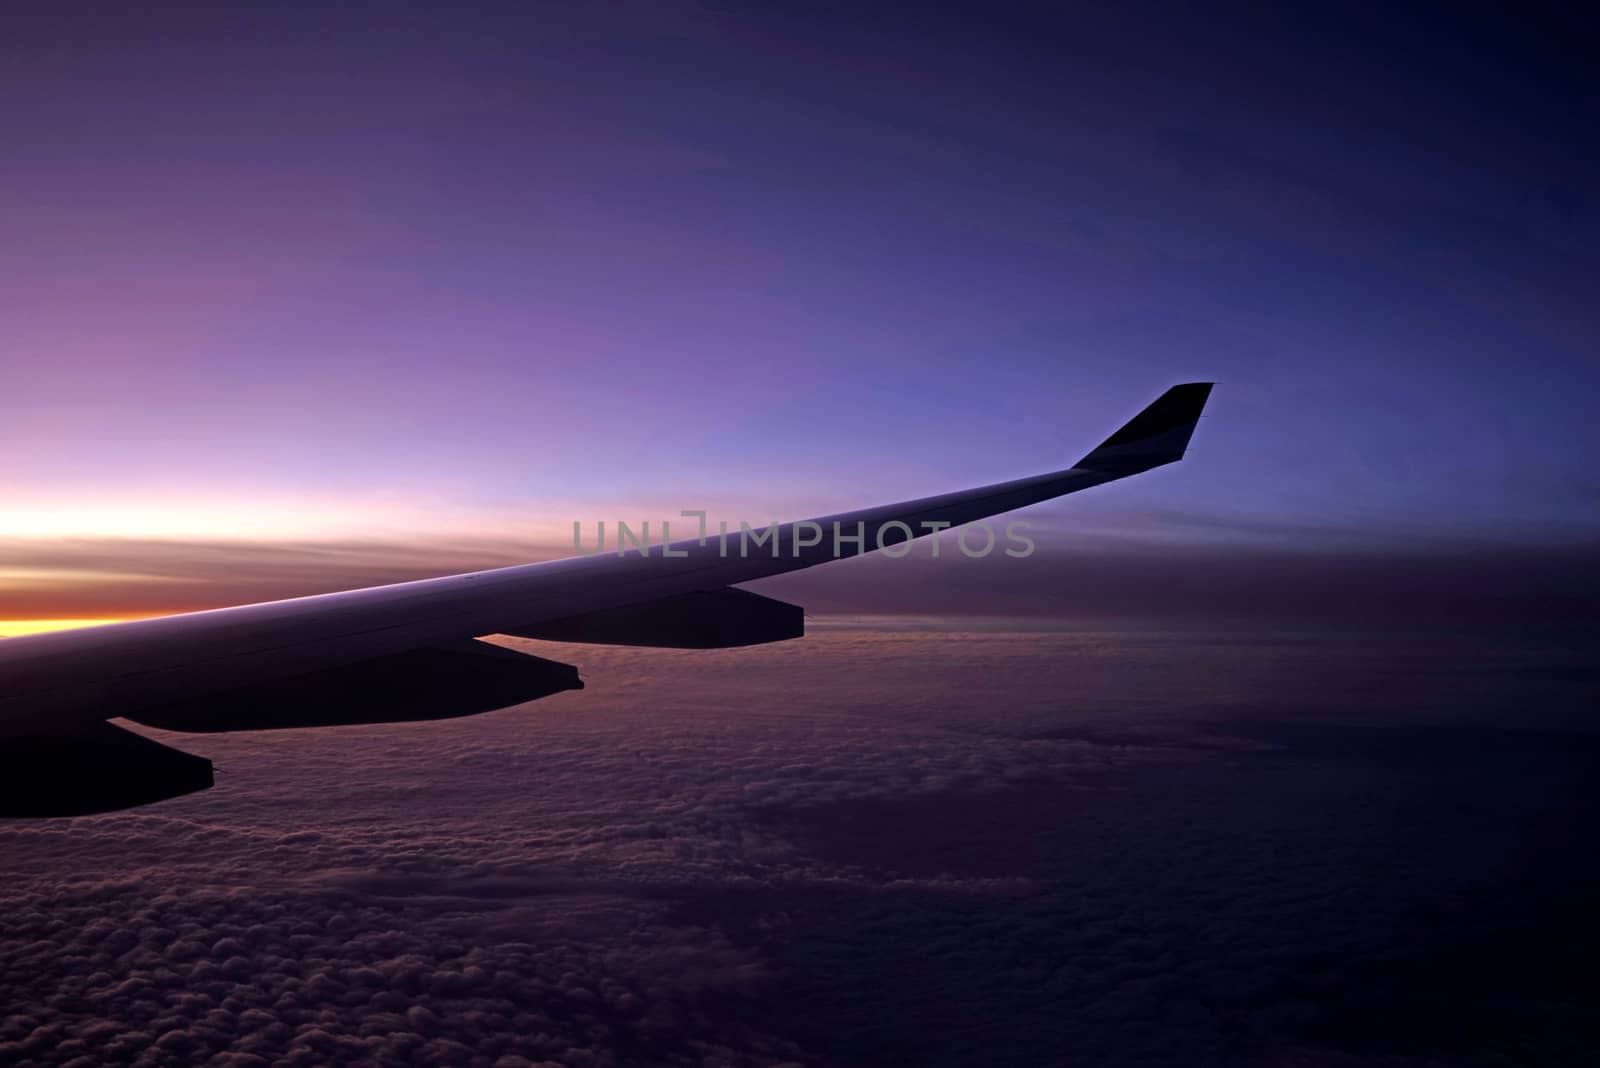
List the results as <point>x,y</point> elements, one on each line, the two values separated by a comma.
<point>60,683</point>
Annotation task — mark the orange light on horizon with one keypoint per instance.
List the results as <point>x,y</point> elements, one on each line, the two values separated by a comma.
<point>16,628</point>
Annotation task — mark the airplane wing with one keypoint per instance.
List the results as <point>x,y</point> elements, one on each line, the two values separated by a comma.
<point>408,651</point>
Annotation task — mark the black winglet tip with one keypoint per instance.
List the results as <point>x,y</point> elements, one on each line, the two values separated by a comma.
<point>1177,407</point>
<point>1189,392</point>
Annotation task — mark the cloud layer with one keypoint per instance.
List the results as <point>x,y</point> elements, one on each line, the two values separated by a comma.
<point>946,847</point>
<point>1265,573</point>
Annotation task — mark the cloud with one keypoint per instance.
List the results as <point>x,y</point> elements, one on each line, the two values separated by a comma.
<point>1205,567</point>
<point>1097,579</point>
<point>949,847</point>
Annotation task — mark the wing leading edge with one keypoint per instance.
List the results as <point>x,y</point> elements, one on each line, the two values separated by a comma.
<point>62,684</point>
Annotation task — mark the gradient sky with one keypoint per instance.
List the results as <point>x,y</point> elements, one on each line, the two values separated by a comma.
<point>432,275</point>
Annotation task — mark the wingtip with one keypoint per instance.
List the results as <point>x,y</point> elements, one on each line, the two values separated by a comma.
<point>1157,435</point>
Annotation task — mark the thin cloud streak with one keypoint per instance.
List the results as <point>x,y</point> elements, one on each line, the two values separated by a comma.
<point>1085,577</point>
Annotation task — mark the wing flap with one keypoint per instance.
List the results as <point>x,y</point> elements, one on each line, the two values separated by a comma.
<point>100,768</point>
<point>700,619</point>
<point>437,682</point>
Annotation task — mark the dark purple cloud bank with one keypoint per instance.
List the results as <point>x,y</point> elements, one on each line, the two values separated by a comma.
<point>1270,576</point>
<point>1407,584</point>
<point>955,846</point>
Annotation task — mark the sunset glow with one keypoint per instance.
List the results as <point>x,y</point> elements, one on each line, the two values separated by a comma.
<point>16,628</point>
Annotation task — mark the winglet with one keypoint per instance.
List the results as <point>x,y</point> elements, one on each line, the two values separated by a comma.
<point>1158,435</point>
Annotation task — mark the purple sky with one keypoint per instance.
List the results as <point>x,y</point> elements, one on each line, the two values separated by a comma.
<point>373,274</point>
